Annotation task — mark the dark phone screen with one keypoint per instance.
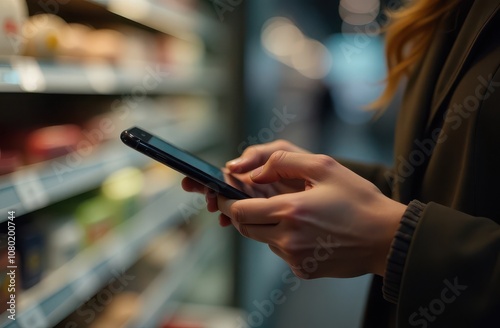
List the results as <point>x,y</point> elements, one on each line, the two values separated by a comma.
<point>187,158</point>
<point>211,176</point>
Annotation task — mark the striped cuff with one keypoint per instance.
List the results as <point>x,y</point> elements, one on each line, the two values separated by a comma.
<point>399,250</point>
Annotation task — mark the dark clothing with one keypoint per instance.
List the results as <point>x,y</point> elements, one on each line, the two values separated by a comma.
<point>444,265</point>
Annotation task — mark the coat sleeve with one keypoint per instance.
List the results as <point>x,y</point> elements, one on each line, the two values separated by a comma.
<point>451,277</point>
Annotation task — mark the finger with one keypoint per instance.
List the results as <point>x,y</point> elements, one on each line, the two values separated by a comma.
<point>251,158</point>
<point>267,234</point>
<point>224,220</point>
<point>287,165</point>
<point>265,211</point>
<point>210,196</point>
<point>190,185</point>
<point>256,155</point>
<point>211,199</point>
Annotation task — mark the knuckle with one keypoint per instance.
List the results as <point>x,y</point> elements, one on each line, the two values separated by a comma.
<point>293,211</point>
<point>324,161</point>
<point>277,156</point>
<point>291,247</point>
<point>250,150</point>
<point>281,144</point>
<point>236,212</point>
<point>291,219</point>
<point>244,230</point>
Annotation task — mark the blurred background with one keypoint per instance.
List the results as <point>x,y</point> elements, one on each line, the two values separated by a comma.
<point>105,237</point>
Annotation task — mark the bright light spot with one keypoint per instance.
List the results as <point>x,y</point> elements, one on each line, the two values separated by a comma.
<point>279,37</point>
<point>312,59</point>
<point>357,18</point>
<point>285,42</point>
<point>360,6</point>
<point>359,12</point>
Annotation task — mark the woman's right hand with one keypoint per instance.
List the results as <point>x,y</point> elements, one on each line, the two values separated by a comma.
<point>241,167</point>
<point>257,155</point>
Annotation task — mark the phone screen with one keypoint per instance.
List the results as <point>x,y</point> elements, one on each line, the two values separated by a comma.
<point>186,163</point>
<point>187,158</point>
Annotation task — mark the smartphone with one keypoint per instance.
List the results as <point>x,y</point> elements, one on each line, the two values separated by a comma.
<point>186,163</point>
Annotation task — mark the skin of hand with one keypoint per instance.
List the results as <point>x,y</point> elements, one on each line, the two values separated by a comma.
<point>253,157</point>
<point>329,222</point>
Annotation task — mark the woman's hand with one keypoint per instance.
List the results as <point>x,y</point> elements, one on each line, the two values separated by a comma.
<point>252,157</point>
<point>336,225</point>
<point>258,155</point>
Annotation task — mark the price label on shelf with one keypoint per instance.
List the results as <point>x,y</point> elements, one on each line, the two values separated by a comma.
<point>30,190</point>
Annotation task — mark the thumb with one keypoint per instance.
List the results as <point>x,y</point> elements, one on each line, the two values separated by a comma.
<point>288,165</point>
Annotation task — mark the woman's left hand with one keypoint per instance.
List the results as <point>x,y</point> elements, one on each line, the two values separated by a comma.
<point>339,225</point>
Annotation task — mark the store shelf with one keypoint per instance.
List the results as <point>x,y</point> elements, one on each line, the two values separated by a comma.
<point>40,185</point>
<point>183,25</point>
<point>26,74</point>
<point>64,290</point>
<point>169,287</point>
<point>170,91</point>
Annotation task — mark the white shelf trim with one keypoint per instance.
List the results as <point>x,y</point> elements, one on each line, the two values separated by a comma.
<point>29,75</point>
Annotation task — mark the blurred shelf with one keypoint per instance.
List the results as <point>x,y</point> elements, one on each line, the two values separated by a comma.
<point>64,290</point>
<point>27,74</point>
<point>37,186</point>
<point>163,295</point>
<point>40,185</point>
<point>184,25</point>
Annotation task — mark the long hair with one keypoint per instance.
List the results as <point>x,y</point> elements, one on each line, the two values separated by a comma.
<point>408,36</point>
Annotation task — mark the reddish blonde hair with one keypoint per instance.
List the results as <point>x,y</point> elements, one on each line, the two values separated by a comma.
<point>408,37</point>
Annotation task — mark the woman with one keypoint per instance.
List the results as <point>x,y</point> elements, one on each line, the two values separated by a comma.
<point>429,228</point>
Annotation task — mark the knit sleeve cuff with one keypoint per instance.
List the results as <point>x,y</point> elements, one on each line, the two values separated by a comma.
<point>399,250</point>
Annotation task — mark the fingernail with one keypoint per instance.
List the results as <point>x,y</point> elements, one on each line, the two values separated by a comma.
<point>233,165</point>
<point>234,162</point>
<point>255,173</point>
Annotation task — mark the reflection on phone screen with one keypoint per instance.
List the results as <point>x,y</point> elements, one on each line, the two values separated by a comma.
<point>200,164</point>
<point>240,185</point>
